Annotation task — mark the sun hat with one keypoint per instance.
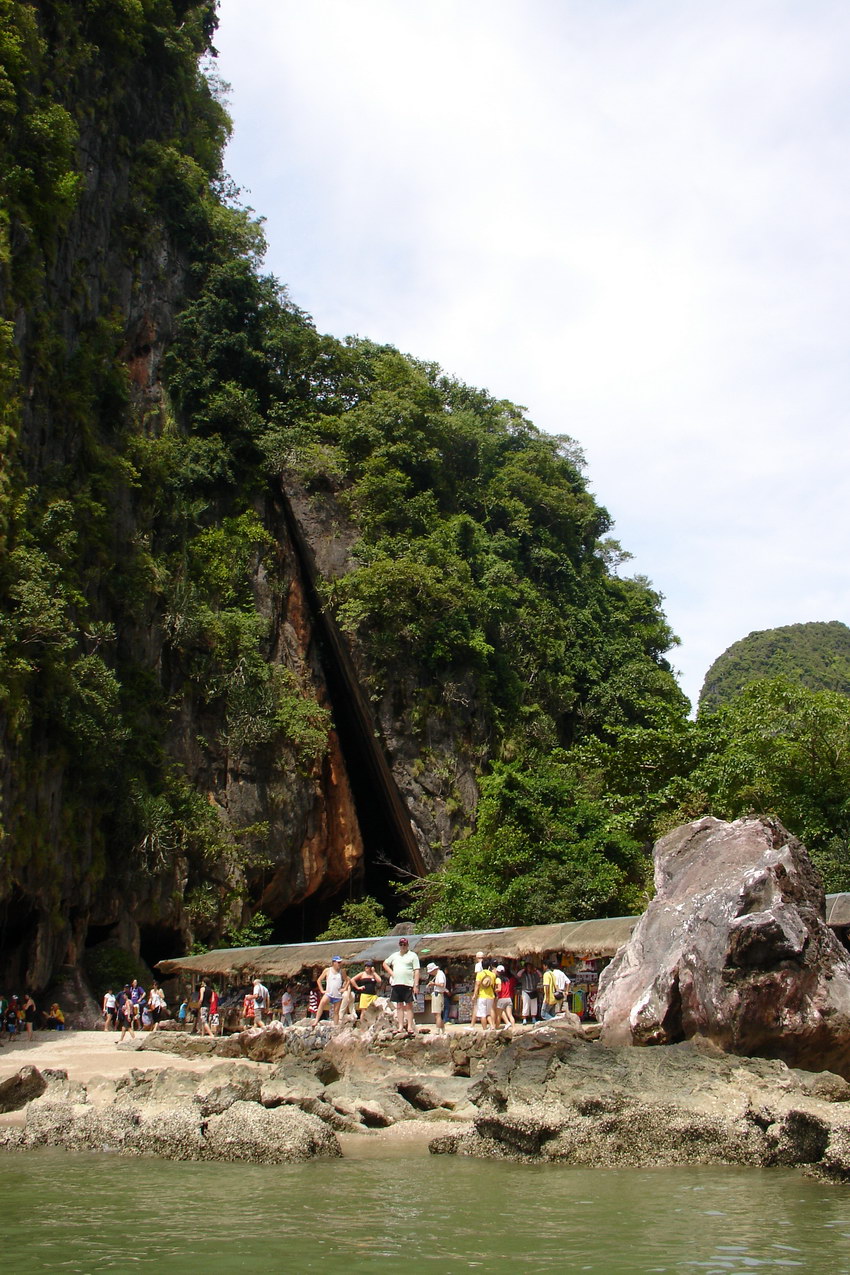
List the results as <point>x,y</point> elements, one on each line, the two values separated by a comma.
<point>429,969</point>
<point>336,958</point>
<point>500,969</point>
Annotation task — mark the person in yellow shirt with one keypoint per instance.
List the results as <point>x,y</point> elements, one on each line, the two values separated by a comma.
<point>550,987</point>
<point>484,996</point>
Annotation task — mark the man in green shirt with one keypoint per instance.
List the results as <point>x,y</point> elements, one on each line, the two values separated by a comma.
<point>403,969</point>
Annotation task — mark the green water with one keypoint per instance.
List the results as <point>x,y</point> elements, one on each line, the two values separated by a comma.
<point>410,1214</point>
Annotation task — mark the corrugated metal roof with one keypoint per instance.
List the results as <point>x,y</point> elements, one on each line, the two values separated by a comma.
<point>838,909</point>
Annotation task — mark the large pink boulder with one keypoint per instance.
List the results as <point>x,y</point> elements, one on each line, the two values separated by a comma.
<point>733,947</point>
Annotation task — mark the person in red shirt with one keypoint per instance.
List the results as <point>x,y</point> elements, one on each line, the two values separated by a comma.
<point>505,988</point>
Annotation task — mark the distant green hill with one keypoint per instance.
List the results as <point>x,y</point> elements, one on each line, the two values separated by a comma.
<point>816,655</point>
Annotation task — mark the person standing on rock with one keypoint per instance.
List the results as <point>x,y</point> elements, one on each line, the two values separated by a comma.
<point>367,984</point>
<point>529,981</point>
<point>156,1004</point>
<point>549,1006</point>
<point>287,1006</point>
<point>261,1000</point>
<point>436,985</point>
<point>484,996</point>
<point>330,983</point>
<point>202,1013</point>
<point>505,988</point>
<point>562,986</point>
<point>403,969</point>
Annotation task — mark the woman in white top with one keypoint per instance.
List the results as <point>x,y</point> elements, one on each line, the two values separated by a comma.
<point>330,983</point>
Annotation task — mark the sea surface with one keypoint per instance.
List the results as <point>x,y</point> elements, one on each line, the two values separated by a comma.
<point>410,1213</point>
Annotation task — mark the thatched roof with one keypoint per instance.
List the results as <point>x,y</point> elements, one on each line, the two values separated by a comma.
<point>582,938</point>
<point>579,938</point>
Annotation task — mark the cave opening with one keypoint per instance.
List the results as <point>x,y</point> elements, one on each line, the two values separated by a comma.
<point>158,943</point>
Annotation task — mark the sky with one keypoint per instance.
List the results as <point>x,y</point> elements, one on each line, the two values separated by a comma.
<point>632,217</point>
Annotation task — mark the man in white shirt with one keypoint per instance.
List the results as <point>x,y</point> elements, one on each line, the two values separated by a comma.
<point>261,1000</point>
<point>403,969</point>
<point>562,986</point>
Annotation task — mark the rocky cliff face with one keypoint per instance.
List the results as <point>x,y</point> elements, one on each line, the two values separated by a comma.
<point>270,602</point>
<point>98,292</point>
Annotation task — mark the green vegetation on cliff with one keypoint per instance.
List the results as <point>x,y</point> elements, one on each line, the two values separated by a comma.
<point>817,655</point>
<point>162,400</point>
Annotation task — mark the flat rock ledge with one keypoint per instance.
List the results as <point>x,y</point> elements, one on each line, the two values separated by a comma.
<point>586,1104</point>
<point>172,1115</point>
<point>545,1094</point>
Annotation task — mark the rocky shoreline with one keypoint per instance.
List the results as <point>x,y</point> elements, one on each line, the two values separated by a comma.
<point>545,1094</point>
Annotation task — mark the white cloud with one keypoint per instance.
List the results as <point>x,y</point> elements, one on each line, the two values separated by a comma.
<point>630,218</point>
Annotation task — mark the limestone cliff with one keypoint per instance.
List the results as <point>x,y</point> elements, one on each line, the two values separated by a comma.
<point>270,602</point>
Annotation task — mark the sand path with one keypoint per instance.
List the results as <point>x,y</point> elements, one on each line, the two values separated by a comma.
<point>84,1054</point>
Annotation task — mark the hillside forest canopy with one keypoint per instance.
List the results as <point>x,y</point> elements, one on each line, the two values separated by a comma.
<point>482,592</point>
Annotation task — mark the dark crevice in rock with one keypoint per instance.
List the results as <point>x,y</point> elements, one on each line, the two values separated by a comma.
<point>384,821</point>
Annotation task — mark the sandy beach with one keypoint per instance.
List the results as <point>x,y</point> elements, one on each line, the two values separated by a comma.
<point>84,1054</point>
<point>88,1055</point>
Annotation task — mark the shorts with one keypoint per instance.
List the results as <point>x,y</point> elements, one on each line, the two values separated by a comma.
<point>214,1019</point>
<point>203,1013</point>
<point>484,1006</point>
<point>365,1001</point>
<point>529,1005</point>
<point>438,1003</point>
<point>401,994</point>
<point>503,1002</point>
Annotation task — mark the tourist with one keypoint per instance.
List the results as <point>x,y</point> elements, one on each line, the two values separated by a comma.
<point>330,985</point>
<point>367,984</point>
<point>403,968</point>
<point>347,1008</point>
<point>484,996</point>
<point>562,985</point>
<point>125,1013</point>
<point>138,996</point>
<point>549,1004</point>
<point>261,1000</point>
<point>436,985</point>
<point>54,1019</point>
<point>287,1006</point>
<point>29,1012</point>
<point>202,1012</point>
<point>248,1010</point>
<point>183,1012</point>
<point>107,1009</point>
<point>215,1017</point>
<point>313,996</point>
<point>156,1005</point>
<point>12,1021</point>
<point>529,981</point>
<point>505,988</point>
